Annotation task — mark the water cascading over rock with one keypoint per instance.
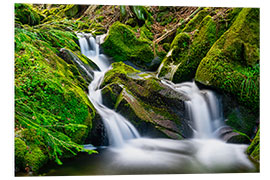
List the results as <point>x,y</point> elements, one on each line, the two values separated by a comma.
<point>135,154</point>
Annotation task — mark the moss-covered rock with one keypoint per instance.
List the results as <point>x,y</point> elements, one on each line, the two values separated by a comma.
<point>240,117</point>
<point>228,68</point>
<point>20,151</point>
<point>195,22</point>
<point>50,99</point>
<point>232,63</point>
<point>122,44</point>
<point>35,158</point>
<point>26,14</point>
<point>85,66</point>
<point>191,45</point>
<point>254,148</point>
<point>155,109</point>
<point>178,51</point>
<point>131,22</point>
<point>110,94</point>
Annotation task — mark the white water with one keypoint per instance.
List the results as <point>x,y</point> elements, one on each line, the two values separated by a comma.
<point>204,109</point>
<point>118,128</point>
<point>134,154</point>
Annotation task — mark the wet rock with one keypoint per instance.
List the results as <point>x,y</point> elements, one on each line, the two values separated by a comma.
<point>83,64</point>
<point>98,135</point>
<point>229,135</point>
<point>154,108</point>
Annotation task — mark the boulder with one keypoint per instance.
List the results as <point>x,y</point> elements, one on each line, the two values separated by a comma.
<point>229,135</point>
<point>85,66</point>
<point>98,135</point>
<point>122,44</point>
<point>192,43</point>
<point>53,114</point>
<point>26,14</point>
<point>232,64</point>
<point>155,109</point>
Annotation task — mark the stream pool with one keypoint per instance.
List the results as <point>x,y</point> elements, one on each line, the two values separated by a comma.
<point>157,156</point>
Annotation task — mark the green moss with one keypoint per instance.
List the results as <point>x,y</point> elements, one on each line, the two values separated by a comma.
<point>227,65</point>
<point>146,33</point>
<point>202,42</point>
<point>122,45</point>
<point>131,22</point>
<point>195,22</point>
<point>181,41</point>
<point>110,94</point>
<point>182,64</point>
<point>254,148</point>
<point>71,10</point>
<point>35,158</point>
<point>26,14</point>
<point>119,69</point>
<point>243,120</point>
<point>225,21</point>
<point>166,46</point>
<point>58,38</point>
<point>179,50</point>
<point>186,54</point>
<point>51,106</point>
<point>141,98</point>
<point>20,151</point>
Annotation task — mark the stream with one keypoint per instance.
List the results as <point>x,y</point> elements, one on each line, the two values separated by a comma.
<point>129,153</point>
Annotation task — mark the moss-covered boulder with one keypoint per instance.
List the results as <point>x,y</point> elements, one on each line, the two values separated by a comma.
<point>154,108</point>
<point>53,115</point>
<point>122,44</point>
<point>35,158</point>
<point>85,66</point>
<point>232,66</point>
<point>20,151</point>
<point>191,45</point>
<point>26,14</point>
<point>195,22</point>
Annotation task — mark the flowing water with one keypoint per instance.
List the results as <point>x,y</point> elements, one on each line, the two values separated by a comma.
<point>128,153</point>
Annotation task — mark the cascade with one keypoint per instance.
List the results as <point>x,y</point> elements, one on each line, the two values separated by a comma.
<point>129,153</point>
<point>204,108</point>
<point>118,128</point>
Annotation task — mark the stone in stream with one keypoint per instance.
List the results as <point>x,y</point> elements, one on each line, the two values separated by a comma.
<point>155,109</point>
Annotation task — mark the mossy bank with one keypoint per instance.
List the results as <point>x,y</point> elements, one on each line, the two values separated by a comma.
<point>53,115</point>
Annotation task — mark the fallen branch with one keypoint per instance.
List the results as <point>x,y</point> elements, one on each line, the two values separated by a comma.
<point>170,32</point>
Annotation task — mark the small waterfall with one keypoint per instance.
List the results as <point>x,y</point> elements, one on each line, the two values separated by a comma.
<point>204,109</point>
<point>118,128</point>
<point>204,153</point>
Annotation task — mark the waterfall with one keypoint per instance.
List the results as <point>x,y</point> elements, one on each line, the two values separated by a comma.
<point>204,109</point>
<point>118,128</point>
<point>132,153</point>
